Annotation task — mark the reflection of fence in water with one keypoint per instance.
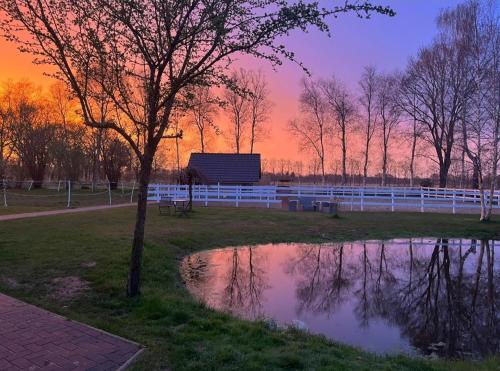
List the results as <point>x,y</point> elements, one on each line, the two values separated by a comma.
<point>353,198</point>
<point>62,194</point>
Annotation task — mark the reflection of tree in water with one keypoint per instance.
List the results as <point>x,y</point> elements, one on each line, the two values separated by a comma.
<point>244,282</point>
<point>326,277</point>
<point>442,294</point>
<point>450,304</point>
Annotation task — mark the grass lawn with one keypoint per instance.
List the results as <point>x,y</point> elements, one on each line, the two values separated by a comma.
<point>179,333</point>
<point>23,201</point>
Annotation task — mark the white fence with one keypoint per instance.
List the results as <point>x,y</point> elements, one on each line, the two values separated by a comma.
<point>351,198</point>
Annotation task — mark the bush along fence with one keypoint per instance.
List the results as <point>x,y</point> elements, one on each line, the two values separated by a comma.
<point>65,193</point>
<point>349,198</point>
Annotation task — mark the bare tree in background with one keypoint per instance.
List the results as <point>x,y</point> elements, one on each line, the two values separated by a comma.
<point>432,91</point>
<point>259,106</point>
<point>236,103</point>
<point>343,111</point>
<point>5,128</point>
<point>32,133</point>
<point>144,55</point>
<point>415,133</point>
<point>116,156</point>
<point>368,85</point>
<point>314,125</point>
<point>474,29</point>
<point>390,112</point>
<point>203,108</point>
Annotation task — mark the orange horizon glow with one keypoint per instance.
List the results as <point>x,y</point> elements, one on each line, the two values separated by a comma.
<point>356,43</point>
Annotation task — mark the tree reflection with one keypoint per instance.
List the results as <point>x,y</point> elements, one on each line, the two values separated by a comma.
<point>444,298</point>
<point>325,277</point>
<point>245,282</point>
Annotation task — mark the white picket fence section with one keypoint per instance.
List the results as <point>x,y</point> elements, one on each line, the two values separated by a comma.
<point>353,198</point>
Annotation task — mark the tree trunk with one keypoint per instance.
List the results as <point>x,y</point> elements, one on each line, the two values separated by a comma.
<point>134,277</point>
<point>443,173</point>
<point>384,166</point>
<point>475,176</point>
<point>494,170</point>
<point>412,158</point>
<point>365,165</point>
<point>252,138</point>
<point>344,157</point>
<point>202,140</point>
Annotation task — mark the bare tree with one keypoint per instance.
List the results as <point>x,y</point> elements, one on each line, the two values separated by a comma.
<point>389,112</point>
<point>314,125</point>
<point>259,106</point>
<point>474,29</point>
<point>237,107</point>
<point>432,91</point>
<point>5,128</point>
<point>203,108</point>
<point>144,54</point>
<point>116,156</point>
<point>32,135</point>
<point>343,111</point>
<point>368,85</point>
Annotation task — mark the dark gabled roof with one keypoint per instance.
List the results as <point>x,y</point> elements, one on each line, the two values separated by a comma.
<point>226,168</point>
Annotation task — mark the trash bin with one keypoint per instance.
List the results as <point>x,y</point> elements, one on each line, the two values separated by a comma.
<point>292,205</point>
<point>333,208</point>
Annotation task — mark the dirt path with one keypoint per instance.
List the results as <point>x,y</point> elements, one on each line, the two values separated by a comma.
<point>37,214</point>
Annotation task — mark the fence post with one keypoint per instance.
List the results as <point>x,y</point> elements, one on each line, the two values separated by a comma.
<point>218,190</point>
<point>454,200</point>
<point>132,193</point>
<point>69,194</point>
<point>392,200</point>
<point>362,199</point>
<point>206,195</point>
<point>237,195</point>
<point>4,186</point>
<point>421,200</point>
<point>58,186</point>
<point>109,191</point>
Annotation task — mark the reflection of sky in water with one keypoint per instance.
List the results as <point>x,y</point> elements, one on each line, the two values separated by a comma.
<point>384,297</point>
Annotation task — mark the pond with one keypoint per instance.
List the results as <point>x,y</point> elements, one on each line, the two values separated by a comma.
<point>425,296</point>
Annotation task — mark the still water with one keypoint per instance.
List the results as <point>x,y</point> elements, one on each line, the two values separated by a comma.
<point>415,296</point>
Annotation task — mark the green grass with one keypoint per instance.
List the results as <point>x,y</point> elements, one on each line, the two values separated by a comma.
<point>179,333</point>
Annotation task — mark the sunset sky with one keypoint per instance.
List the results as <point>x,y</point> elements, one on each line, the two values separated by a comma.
<point>382,41</point>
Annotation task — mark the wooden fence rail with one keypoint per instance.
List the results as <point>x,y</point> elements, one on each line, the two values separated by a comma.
<point>353,198</point>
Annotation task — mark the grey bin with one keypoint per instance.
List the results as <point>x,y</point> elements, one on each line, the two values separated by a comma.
<point>333,208</point>
<point>292,205</point>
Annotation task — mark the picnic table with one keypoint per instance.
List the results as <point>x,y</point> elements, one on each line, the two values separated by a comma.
<point>180,205</point>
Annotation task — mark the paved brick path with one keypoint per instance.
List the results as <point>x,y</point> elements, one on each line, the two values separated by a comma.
<point>34,339</point>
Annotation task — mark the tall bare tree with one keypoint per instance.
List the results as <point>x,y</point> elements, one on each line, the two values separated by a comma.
<point>144,54</point>
<point>314,125</point>
<point>343,111</point>
<point>474,29</point>
<point>390,112</point>
<point>237,108</point>
<point>432,91</point>
<point>6,117</point>
<point>368,85</point>
<point>259,106</point>
<point>203,108</point>
<point>32,136</point>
